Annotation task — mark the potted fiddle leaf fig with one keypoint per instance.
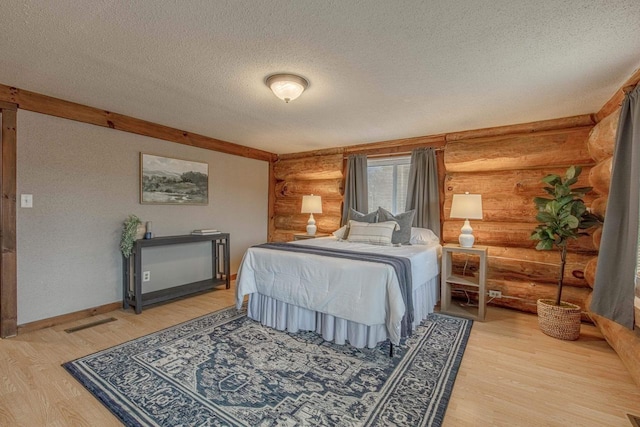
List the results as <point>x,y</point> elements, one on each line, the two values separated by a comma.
<point>563,217</point>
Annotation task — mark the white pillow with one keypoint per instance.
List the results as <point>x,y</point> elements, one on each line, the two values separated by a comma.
<point>375,233</point>
<point>340,232</point>
<point>423,236</point>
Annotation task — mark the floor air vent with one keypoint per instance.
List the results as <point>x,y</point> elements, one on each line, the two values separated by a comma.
<point>90,325</point>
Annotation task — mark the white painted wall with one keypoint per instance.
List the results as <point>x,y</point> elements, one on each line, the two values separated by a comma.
<point>85,182</point>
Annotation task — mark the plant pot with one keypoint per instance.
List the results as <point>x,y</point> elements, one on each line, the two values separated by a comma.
<point>140,231</point>
<point>559,321</point>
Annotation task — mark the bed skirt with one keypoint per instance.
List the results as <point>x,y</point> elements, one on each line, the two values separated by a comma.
<point>288,317</point>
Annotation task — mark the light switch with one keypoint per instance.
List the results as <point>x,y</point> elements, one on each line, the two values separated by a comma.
<point>26,200</point>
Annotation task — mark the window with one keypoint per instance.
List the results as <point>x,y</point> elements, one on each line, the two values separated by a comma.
<point>388,179</point>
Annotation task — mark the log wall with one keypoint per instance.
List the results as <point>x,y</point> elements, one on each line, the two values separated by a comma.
<point>506,170</point>
<point>296,176</point>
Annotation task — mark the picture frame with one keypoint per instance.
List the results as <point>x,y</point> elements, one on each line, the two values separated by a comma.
<point>172,181</point>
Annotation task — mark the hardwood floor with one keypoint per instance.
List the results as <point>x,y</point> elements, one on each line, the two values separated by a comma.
<point>511,374</point>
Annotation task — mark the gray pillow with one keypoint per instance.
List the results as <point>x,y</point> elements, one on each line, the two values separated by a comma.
<point>354,215</point>
<point>404,220</point>
<point>360,217</point>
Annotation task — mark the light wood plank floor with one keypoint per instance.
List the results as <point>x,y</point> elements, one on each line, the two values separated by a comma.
<point>511,374</point>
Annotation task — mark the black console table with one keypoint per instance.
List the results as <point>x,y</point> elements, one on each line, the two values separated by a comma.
<point>132,268</point>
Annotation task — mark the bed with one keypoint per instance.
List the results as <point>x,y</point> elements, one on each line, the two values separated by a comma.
<point>340,299</point>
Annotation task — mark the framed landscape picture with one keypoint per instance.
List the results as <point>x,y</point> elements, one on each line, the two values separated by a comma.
<point>164,180</point>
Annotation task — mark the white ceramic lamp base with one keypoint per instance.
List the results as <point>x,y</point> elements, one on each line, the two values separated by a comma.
<point>311,226</point>
<point>466,239</point>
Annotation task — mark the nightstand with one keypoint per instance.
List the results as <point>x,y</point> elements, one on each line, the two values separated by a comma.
<point>305,236</point>
<point>471,283</point>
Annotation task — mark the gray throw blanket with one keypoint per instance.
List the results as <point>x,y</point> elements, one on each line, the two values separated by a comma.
<point>401,265</point>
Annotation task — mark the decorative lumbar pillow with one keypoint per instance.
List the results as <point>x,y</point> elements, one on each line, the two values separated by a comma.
<point>423,236</point>
<point>354,215</point>
<point>404,220</point>
<point>376,233</point>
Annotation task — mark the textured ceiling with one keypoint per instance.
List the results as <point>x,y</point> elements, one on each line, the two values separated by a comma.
<point>378,69</point>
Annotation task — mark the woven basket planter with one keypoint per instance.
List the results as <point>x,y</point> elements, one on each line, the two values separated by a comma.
<point>559,321</point>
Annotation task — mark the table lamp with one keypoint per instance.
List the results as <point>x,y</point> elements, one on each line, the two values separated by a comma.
<point>466,206</point>
<point>311,204</point>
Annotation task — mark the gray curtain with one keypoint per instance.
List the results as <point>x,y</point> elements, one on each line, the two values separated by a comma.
<point>423,194</point>
<point>356,195</point>
<point>613,291</point>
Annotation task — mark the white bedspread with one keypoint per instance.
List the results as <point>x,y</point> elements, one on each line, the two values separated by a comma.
<point>368,294</point>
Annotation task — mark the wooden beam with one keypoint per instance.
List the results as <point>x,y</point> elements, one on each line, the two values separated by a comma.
<point>616,100</point>
<point>543,125</point>
<point>271,200</point>
<point>8,255</point>
<point>44,104</point>
<point>396,146</point>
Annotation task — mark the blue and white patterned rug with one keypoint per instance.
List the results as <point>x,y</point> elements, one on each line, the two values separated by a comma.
<point>224,369</point>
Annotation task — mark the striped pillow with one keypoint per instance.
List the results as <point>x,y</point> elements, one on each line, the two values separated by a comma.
<point>376,233</point>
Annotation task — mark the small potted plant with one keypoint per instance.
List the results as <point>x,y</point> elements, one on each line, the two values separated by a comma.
<point>562,217</point>
<point>130,232</point>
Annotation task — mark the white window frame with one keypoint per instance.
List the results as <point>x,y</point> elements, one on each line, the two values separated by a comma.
<point>395,162</point>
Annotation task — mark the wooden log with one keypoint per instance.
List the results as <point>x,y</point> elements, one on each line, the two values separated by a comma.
<point>284,235</point>
<point>314,153</point>
<point>600,176</point>
<point>624,341</point>
<point>521,264</point>
<point>44,104</point>
<point>309,168</point>
<point>616,100</point>
<point>590,271</point>
<point>299,222</point>
<point>326,188</point>
<point>521,182</point>
<point>524,151</point>
<point>396,146</point>
<point>597,237</point>
<point>501,207</point>
<point>542,125</point>
<point>599,206</point>
<point>293,205</point>
<point>508,234</point>
<point>602,138</point>
<point>530,292</point>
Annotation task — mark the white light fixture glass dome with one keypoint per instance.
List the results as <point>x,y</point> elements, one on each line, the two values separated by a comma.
<point>287,86</point>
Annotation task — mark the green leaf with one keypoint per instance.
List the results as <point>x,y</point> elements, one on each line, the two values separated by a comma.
<point>541,202</point>
<point>570,182</point>
<point>551,179</point>
<point>545,217</point>
<point>544,245</point>
<point>581,191</point>
<point>571,172</point>
<point>571,221</point>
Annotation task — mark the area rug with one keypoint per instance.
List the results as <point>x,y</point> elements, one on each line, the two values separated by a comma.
<point>224,369</point>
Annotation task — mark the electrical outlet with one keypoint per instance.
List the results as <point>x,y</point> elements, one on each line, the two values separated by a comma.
<point>146,276</point>
<point>495,294</point>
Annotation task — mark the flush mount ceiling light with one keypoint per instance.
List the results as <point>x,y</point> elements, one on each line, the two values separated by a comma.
<point>287,86</point>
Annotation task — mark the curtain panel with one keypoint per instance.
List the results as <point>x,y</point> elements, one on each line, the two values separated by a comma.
<point>356,194</point>
<point>613,291</point>
<point>423,194</point>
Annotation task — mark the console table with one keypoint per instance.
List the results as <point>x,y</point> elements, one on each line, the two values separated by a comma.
<point>132,269</point>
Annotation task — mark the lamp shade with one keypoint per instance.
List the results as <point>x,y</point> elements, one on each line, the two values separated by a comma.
<point>311,204</point>
<point>287,86</point>
<point>466,206</point>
